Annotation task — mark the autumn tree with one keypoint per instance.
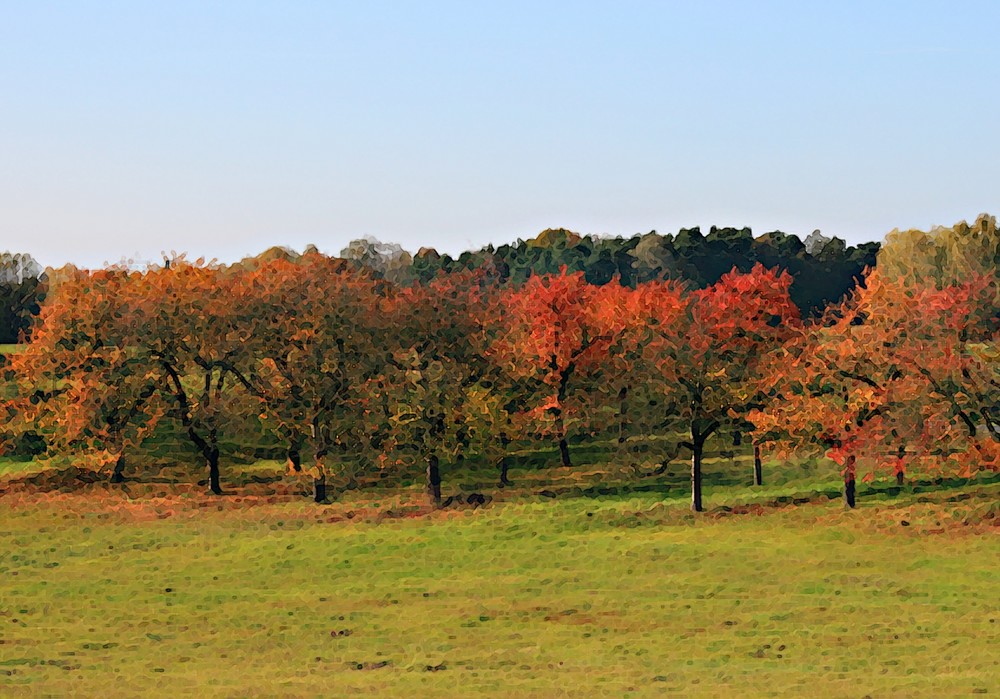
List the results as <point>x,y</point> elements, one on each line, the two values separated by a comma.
<point>438,395</point>
<point>706,351</point>
<point>942,256</point>
<point>902,372</point>
<point>186,323</point>
<point>557,330</point>
<point>80,382</point>
<point>317,325</point>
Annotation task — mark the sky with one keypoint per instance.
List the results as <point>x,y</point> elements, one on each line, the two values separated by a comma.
<point>133,129</point>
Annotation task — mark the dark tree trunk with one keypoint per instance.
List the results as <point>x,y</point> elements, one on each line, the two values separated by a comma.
<point>213,470</point>
<point>900,477</point>
<point>319,456</point>
<point>209,449</point>
<point>850,488</point>
<point>561,432</point>
<point>295,458</point>
<point>118,475</point>
<point>758,475</point>
<point>622,417</point>
<point>434,480</point>
<point>319,484</point>
<point>504,460</point>
<point>696,454</point>
<point>560,419</point>
<point>504,468</point>
<point>564,452</point>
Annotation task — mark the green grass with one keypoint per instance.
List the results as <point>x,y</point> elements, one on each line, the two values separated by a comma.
<point>622,593</point>
<point>20,467</point>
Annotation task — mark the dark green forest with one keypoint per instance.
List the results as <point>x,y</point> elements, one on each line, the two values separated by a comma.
<point>824,269</point>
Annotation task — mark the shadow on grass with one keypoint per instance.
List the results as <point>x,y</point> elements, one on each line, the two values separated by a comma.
<point>605,470</point>
<point>928,485</point>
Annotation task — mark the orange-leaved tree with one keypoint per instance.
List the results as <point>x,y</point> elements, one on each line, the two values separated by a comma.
<point>189,325</point>
<point>558,330</point>
<point>80,382</point>
<point>318,327</point>
<point>707,352</point>
<point>902,372</point>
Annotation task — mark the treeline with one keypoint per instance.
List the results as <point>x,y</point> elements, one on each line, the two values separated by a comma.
<point>823,269</point>
<point>349,369</point>
<point>22,290</point>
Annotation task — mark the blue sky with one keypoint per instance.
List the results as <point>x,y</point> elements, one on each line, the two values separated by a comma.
<point>222,128</point>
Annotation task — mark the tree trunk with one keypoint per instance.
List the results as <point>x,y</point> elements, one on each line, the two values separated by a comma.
<point>294,458</point>
<point>118,475</point>
<point>319,484</point>
<point>564,452</point>
<point>758,475</point>
<point>319,475</point>
<point>560,418</point>
<point>213,470</point>
<point>561,432</point>
<point>622,417</point>
<point>900,465</point>
<point>696,453</point>
<point>504,459</point>
<point>504,467</point>
<point>850,488</point>
<point>434,480</point>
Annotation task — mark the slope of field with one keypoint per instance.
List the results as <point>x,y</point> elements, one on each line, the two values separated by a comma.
<point>161,589</point>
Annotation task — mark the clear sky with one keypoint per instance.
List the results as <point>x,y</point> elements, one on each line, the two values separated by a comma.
<point>222,128</point>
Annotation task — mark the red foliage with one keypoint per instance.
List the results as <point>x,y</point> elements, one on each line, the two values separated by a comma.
<point>558,330</point>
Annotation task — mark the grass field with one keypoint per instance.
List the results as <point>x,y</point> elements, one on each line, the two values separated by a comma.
<point>604,586</point>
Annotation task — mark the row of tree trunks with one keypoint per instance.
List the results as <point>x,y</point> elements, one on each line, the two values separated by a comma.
<point>210,454</point>
<point>434,472</point>
<point>697,444</point>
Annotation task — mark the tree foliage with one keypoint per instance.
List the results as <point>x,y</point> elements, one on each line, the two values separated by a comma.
<point>706,353</point>
<point>382,361</point>
<point>557,330</point>
<point>22,290</point>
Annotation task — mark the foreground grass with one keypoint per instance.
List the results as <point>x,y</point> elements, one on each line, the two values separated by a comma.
<point>626,595</point>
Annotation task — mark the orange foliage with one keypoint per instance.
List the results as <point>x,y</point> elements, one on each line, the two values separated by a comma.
<point>901,364</point>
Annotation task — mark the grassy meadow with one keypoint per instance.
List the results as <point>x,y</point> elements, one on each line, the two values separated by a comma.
<point>582,582</point>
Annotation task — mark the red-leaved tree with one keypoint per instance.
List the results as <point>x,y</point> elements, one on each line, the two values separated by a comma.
<point>707,352</point>
<point>558,331</point>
